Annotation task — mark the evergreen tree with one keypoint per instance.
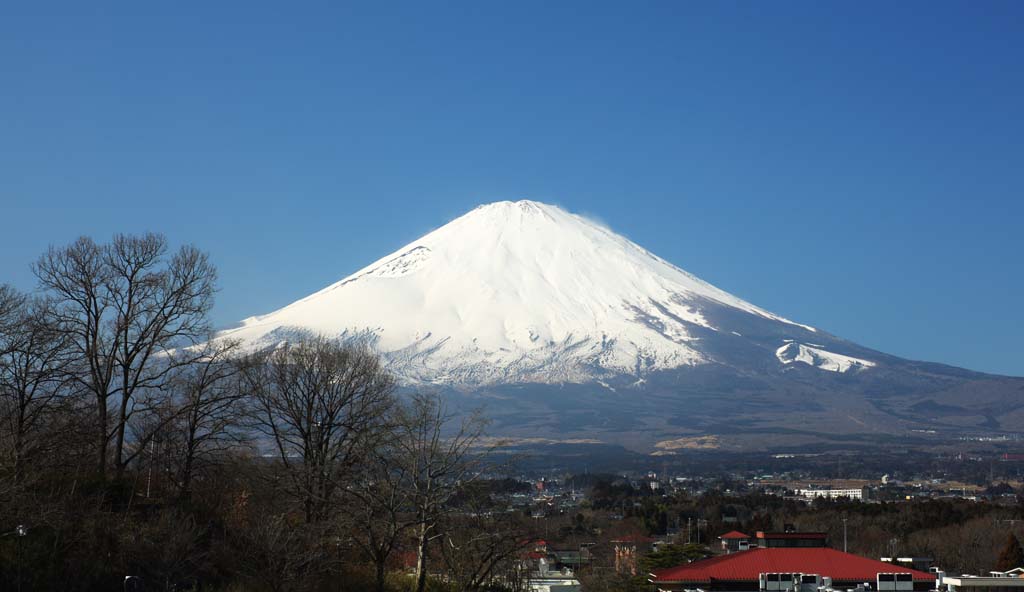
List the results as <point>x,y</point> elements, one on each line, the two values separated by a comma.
<point>673,555</point>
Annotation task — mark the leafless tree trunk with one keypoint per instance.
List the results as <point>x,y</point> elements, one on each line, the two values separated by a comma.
<point>318,402</point>
<point>437,463</point>
<point>126,305</point>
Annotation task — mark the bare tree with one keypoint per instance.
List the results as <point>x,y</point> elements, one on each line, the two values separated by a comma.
<point>33,375</point>
<point>437,454</point>
<point>319,402</point>
<point>76,276</point>
<point>168,550</point>
<point>10,302</point>
<point>281,556</point>
<point>126,305</point>
<point>378,510</point>
<point>207,412</point>
<point>482,545</point>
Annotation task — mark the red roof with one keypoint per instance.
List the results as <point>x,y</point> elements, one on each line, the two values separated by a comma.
<point>735,534</point>
<point>748,565</point>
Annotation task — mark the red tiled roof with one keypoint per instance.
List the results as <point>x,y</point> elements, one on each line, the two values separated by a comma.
<point>748,565</point>
<point>734,534</point>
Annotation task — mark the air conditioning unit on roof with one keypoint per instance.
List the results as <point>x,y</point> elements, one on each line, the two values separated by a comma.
<point>895,582</point>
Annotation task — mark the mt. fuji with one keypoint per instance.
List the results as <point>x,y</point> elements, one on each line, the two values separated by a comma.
<point>524,292</point>
<point>517,302</point>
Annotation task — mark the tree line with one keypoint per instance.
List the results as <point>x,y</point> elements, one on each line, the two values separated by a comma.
<point>138,450</point>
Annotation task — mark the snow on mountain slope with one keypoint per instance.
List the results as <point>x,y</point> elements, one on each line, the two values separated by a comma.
<point>819,358</point>
<point>515,292</point>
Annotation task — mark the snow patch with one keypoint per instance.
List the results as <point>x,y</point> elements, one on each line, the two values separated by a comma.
<point>819,358</point>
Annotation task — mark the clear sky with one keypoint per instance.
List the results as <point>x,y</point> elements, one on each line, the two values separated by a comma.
<point>858,166</point>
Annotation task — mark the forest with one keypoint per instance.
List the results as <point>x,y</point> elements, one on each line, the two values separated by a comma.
<point>138,451</point>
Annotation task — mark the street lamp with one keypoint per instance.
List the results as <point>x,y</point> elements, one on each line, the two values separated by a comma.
<point>845,518</point>
<point>20,531</point>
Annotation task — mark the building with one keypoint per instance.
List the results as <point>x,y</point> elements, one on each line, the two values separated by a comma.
<point>572,559</point>
<point>790,538</point>
<point>554,582</point>
<point>791,569</point>
<point>542,573</point>
<point>1005,581</point>
<point>811,494</point>
<point>918,563</point>
<point>735,541</point>
<point>628,550</point>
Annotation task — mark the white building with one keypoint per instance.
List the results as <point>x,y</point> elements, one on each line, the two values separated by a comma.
<point>1010,581</point>
<point>546,580</point>
<point>831,493</point>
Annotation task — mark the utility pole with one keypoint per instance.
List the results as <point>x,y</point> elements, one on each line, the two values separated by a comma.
<point>844,533</point>
<point>152,458</point>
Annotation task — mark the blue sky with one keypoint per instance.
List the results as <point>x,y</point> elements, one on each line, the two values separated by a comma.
<point>855,166</point>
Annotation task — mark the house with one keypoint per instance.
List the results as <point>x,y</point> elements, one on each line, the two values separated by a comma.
<point>628,550</point>
<point>790,569</point>
<point>735,540</point>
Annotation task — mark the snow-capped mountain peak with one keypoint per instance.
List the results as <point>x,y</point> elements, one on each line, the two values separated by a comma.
<point>522,292</point>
